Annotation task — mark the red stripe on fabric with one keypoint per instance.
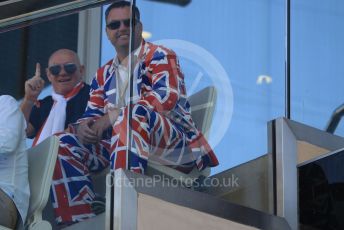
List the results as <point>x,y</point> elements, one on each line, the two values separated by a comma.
<point>40,130</point>
<point>64,210</point>
<point>74,91</point>
<point>57,171</point>
<point>97,101</point>
<point>121,159</point>
<point>140,148</point>
<point>136,170</point>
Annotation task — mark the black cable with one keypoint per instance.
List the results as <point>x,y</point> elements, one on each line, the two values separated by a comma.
<point>287,62</point>
<point>131,82</point>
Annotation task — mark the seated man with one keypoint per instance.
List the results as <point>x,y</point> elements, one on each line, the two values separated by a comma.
<point>161,125</point>
<point>67,102</point>
<point>14,186</point>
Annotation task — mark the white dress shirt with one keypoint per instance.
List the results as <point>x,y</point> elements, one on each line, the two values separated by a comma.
<point>122,78</point>
<point>13,156</point>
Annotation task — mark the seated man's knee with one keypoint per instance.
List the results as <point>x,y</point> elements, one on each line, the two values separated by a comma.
<point>67,138</point>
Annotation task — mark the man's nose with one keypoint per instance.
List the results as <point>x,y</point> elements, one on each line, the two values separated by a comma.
<point>63,71</point>
<point>122,26</point>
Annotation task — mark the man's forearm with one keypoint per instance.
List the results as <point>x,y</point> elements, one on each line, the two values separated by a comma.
<point>26,108</point>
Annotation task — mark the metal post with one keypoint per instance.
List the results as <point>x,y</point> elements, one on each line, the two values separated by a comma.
<point>287,62</point>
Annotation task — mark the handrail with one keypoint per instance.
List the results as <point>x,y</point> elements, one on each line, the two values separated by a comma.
<point>335,119</point>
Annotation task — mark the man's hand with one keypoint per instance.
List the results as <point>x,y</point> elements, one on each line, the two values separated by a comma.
<point>85,134</point>
<point>91,131</point>
<point>113,113</point>
<point>34,86</point>
<point>100,125</point>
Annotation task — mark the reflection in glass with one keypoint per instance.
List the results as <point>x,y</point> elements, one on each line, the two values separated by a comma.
<point>317,62</point>
<point>321,193</point>
<point>227,44</point>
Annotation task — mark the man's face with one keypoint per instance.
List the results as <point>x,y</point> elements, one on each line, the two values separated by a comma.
<point>120,37</point>
<point>64,72</point>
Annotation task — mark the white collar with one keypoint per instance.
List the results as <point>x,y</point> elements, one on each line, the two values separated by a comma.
<point>115,62</point>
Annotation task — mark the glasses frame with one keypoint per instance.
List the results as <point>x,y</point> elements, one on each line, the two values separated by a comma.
<point>114,25</point>
<point>69,68</point>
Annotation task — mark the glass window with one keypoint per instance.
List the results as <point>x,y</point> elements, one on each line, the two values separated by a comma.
<point>236,46</point>
<point>21,49</point>
<point>316,61</point>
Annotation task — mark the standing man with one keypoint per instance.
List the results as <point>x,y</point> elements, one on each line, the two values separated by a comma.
<point>14,183</point>
<point>162,129</point>
<point>67,102</point>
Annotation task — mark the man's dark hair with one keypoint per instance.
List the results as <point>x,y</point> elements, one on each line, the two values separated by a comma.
<point>120,4</point>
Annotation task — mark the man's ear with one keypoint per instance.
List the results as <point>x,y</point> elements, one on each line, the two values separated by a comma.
<point>82,71</point>
<point>107,34</point>
<point>140,26</point>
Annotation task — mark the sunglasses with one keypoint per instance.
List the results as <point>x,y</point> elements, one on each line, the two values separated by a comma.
<point>114,25</point>
<point>69,68</point>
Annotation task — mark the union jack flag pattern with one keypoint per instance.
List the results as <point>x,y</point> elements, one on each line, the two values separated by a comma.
<point>161,127</point>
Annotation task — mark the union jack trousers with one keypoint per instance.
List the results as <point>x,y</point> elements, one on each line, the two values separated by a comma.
<point>161,130</point>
